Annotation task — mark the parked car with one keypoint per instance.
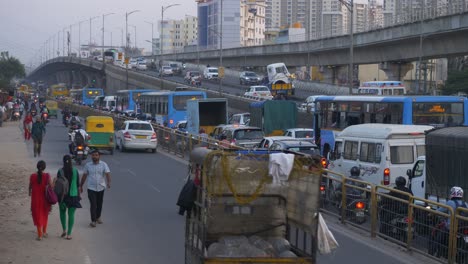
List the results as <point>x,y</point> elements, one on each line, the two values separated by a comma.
<point>176,69</point>
<point>218,131</point>
<point>190,75</point>
<point>241,119</point>
<point>243,136</point>
<point>300,146</point>
<point>210,73</point>
<point>248,77</point>
<point>301,133</point>
<point>136,135</point>
<point>141,66</point>
<point>259,91</point>
<point>268,141</point>
<point>166,71</point>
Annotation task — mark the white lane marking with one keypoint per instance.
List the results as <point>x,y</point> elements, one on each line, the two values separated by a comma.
<point>131,172</point>
<point>152,186</point>
<point>87,260</point>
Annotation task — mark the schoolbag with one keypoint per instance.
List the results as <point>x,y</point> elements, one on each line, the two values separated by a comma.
<point>79,139</point>
<point>462,205</point>
<point>61,186</point>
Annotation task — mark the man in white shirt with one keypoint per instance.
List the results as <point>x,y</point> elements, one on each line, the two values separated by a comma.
<point>98,175</point>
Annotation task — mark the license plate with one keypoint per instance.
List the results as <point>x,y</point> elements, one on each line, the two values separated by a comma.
<point>80,152</point>
<point>465,238</point>
<point>360,214</point>
<point>322,192</point>
<point>140,137</point>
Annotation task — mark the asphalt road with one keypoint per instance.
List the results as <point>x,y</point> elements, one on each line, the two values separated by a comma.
<point>141,224</point>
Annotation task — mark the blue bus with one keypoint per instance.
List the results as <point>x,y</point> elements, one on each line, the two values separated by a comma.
<point>168,107</point>
<point>334,113</point>
<point>89,94</point>
<point>128,99</point>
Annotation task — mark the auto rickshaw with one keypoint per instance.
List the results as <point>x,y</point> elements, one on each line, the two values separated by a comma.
<point>101,132</point>
<point>52,106</point>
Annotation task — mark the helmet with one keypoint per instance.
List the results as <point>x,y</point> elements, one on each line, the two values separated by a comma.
<point>355,171</point>
<point>400,181</point>
<point>456,192</point>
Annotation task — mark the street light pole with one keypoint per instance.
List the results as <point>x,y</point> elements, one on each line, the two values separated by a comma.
<point>350,6</point>
<point>152,37</point>
<point>126,45</point>
<point>102,48</point>
<point>90,33</point>
<point>79,36</point>
<point>221,48</point>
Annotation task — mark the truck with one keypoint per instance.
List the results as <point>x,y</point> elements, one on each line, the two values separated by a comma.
<point>443,166</point>
<point>239,217</point>
<point>206,114</point>
<point>273,116</point>
<point>279,80</point>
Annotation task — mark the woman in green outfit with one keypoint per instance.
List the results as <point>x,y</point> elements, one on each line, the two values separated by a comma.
<point>71,201</point>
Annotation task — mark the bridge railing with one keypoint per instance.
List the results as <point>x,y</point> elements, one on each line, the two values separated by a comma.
<point>378,210</point>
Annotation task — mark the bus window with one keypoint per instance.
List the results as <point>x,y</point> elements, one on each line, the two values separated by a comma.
<point>398,91</point>
<point>447,114</point>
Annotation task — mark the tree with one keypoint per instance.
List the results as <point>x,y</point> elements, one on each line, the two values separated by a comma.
<point>10,67</point>
<point>457,81</point>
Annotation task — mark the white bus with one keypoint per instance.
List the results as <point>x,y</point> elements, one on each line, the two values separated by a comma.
<point>382,88</point>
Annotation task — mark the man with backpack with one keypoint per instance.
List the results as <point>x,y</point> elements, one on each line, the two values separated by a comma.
<point>78,137</point>
<point>456,200</point>
<point>66,188</point>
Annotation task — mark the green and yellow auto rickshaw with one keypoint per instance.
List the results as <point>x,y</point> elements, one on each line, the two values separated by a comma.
<point>52,106</point>
<point>101,132</point>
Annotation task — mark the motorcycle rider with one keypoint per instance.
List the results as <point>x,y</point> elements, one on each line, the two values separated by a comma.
<point>351,192</point>
<point>78,137</point>
<point>65,114</point>
<point>74,120</point>
<point>456,200</point>
<point>392,208</point>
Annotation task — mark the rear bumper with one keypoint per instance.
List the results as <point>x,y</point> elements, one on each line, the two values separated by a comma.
<point>140,145</point>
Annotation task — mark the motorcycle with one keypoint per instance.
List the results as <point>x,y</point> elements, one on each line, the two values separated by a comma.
<point>395,226</point>
<point>71,129</point>
<point>66,120</point>
<point>16,115</point>
<point>195,81</point>
<point>439,241</point>
<point>45,118</point>
<point>80,153</point>
<point>356,205</point>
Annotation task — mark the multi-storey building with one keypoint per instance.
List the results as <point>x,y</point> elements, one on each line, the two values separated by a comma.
<point>252,23</point>
<point>179,33</point>
<point>272,15</point>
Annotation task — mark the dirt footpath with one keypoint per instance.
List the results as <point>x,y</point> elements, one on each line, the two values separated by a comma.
<point>18,233</point>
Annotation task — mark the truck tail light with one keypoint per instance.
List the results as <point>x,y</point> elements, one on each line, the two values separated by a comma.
<point>386,176</point>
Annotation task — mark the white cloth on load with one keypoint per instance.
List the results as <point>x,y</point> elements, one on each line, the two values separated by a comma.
<point>280,166</point>
<point>326,241</point>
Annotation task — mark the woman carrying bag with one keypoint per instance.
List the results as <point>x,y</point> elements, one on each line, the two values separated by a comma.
<point>71,200</point>
<point>40,207</point>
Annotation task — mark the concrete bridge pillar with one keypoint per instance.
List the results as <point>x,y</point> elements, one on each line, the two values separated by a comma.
<point>333,74</point>
<point>395,71</point>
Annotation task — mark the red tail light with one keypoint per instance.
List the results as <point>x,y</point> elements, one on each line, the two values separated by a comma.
<point>408,220</point>
<point>80,147</point>
<point>465,231</point>
<point>386,176</point>
<point>360,205</point>
<point>153,136</point>
<point>127,135</point>
<point>322,188</point>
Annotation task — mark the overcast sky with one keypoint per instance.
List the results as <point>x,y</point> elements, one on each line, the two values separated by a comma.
<point>25,25</point>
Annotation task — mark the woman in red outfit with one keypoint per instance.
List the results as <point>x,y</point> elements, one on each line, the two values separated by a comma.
<point>40,208</point>
<point>27,124</point>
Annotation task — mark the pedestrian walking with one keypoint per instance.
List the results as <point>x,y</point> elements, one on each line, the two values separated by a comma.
<point>99,179</point>
<point>37,133</point>
<point>71,200</point>
<point>40,208</point>
<point>27,125</point>
<point>2,113</point>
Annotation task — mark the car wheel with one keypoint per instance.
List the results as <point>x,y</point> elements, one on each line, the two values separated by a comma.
<point>112,151</point>
<point>153,150</point>
<point>122,148</point>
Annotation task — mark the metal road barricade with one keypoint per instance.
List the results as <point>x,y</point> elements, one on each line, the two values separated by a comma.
<point>459,236</point>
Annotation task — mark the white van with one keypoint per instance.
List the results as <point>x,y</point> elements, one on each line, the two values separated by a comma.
<point>109,103</point>
<point>382,151</point>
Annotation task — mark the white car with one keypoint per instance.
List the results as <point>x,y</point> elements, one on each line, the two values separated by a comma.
<point>136,134</point>
<point>141,66</point>
<point>258,91</point>
<point>306,134</point>
<point>210,73</point>
<point>166,71</point>
<point>132,64</point>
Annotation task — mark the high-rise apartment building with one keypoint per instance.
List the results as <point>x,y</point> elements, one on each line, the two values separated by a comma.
<point>252,23</point>
<point>334,18</point>
<point>179,33</point>
<point>272,15</point>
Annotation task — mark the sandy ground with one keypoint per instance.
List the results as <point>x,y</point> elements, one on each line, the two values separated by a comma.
<point>17,231</point>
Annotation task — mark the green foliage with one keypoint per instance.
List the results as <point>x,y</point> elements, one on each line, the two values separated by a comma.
<point>10,67</point>
<point>457,81</point>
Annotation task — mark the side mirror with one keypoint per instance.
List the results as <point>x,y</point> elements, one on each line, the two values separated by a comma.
<point>409,173</point>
